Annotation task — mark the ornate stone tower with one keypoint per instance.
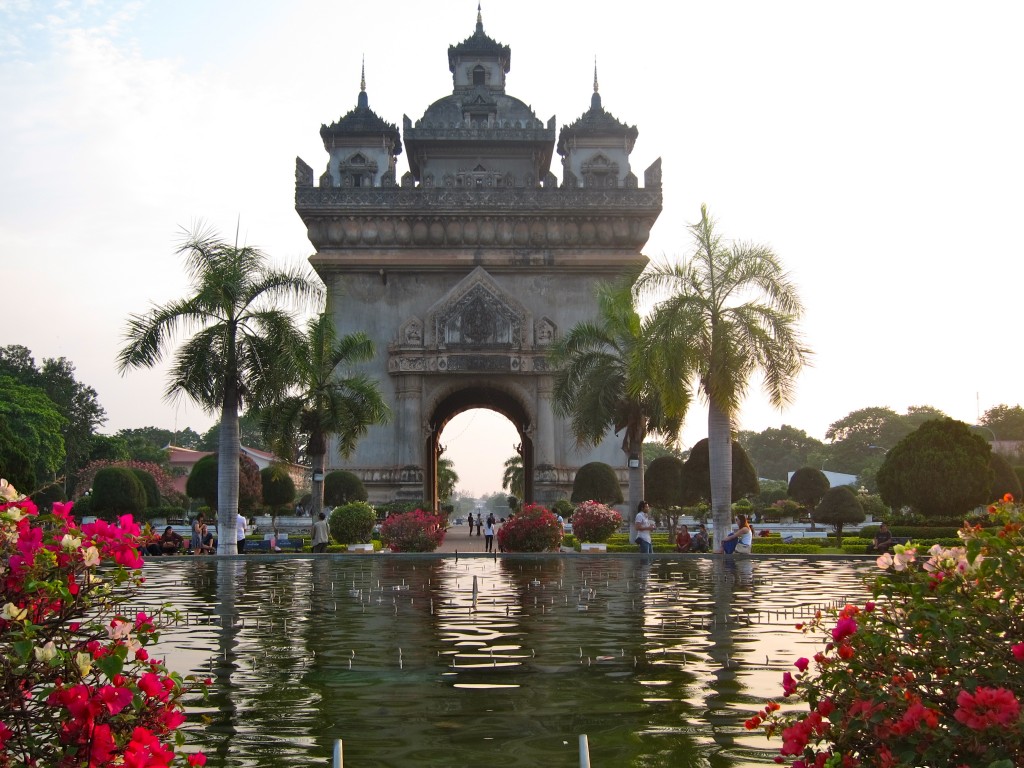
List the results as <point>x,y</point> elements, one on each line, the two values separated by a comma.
<point>466,272</point>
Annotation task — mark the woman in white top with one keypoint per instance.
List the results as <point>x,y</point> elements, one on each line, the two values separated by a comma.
<point>489,534</point>
<point>743,537</point>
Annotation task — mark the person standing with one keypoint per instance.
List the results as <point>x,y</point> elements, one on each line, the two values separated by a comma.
<point>644,524</point>
<point>320,534</point>
<point>196,544</point>
<point>489,534</point>
<point>469,522</point>
<point>479,524</point>
<point>240,524</point>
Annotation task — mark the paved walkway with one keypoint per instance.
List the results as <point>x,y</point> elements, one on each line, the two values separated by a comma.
<point>458,540</point>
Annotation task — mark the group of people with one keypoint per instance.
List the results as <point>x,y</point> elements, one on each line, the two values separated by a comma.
<point>488,526</point>
<point>739,541</point>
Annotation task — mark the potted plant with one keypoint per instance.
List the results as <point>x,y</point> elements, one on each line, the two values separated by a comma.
<point>592,523</point>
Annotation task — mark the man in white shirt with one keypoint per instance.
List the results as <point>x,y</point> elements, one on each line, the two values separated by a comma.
<point>240,524</point>
<point>644,524</point>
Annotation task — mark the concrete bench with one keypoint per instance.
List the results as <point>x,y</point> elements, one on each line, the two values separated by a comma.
<point>789,537</point>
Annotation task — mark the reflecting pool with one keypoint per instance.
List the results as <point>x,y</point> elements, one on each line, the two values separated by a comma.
<point>481,661</point>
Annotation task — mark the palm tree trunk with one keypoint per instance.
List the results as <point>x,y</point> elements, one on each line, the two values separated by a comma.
<point>720,467</point>
<point>228,451</point>
<point>636,483</point>
<point>317,487</point>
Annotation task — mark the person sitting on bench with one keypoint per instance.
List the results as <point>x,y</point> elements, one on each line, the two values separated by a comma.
<point>169,543</point>
<point>883,540</point>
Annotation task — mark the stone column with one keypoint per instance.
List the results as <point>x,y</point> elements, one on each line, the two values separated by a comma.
<point>409,392</point>
<point>544,434</point>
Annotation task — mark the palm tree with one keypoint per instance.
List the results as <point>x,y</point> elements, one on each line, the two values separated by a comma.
<point>606,378</point>
<point>727,312</point>
<point>447,479</point>
<point>513,478</point>
<point>324,401</point>
<point>239,339</point>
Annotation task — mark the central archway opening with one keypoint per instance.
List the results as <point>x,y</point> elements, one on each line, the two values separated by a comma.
<point>478,429</point>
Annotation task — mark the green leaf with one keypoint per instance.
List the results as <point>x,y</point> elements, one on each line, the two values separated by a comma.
<point>110,665</point>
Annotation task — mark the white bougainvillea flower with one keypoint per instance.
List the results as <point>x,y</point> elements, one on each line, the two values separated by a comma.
<point>11,612</point>
<point>46,652</point>
<point>91,556</point>
<point>84,662</point>
<point>70,542</point>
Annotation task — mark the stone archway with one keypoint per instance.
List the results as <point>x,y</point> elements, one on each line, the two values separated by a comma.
<point>466,398</point>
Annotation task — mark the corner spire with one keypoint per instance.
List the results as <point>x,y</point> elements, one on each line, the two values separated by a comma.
<point>479,18</point>
<point>362,77</point>
<point>595,100</point>
<point>595,73</point>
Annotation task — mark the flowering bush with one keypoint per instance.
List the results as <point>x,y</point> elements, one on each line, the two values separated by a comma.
<point>928,673</point>
<point>531,529</point>
<point>594,522</point>
<point>77,685</point>
<point>415,531</point>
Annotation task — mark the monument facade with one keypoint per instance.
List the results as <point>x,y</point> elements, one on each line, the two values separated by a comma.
<point>466,268</point>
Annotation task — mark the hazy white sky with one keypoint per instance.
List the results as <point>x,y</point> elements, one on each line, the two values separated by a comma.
<point>875,145</point>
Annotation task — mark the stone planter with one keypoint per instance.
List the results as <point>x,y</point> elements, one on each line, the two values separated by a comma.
<point>593,547</point>
<point>360,548</point>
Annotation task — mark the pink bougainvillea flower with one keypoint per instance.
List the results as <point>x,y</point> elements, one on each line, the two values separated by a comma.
<point>844,628</point>
<point>986,707</point>
<point>801,664</point>
<point>1018,651</point>
<point>197,759</point>
<point>788,684</point>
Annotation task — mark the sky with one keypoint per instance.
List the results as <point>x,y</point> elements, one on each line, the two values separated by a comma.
<point>875,146</point>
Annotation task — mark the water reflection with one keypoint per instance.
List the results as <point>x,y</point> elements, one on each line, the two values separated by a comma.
<point>440,662</point>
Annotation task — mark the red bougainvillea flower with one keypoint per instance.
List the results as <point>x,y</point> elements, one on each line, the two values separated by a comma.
<point>1018,651</point>
<point>801,664</point>
<point>986,707</point>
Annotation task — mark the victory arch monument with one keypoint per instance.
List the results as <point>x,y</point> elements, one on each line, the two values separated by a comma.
<point>466,268</point>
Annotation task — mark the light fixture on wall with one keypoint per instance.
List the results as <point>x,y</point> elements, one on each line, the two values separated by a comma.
<point>634,461</point>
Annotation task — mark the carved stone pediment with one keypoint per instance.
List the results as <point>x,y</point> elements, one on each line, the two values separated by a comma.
<point>544,332</point>
<point>410,334</point>
<point>478,314</point>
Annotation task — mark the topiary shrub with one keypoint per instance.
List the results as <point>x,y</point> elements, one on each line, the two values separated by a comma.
<point>148,485</point>
<point>352,523</point>
<point>563,507</point>
<point>594,522</point>
<point>202,482</point>
<point>596,481</point>
<point>341,487</point>
<point>531,529</point>
<point>663,482</point>
<point>415,531</point>
<point>47,496</point>
<point>117,491</point>
<point>837,507</point>
<point>278,486</point>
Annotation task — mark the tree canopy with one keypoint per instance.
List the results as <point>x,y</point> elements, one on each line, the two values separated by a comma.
<point>1006,422</point>
<point>36,425</point>
<point>776,452</point>
<point>838,507</point>
<point>940,470</point>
